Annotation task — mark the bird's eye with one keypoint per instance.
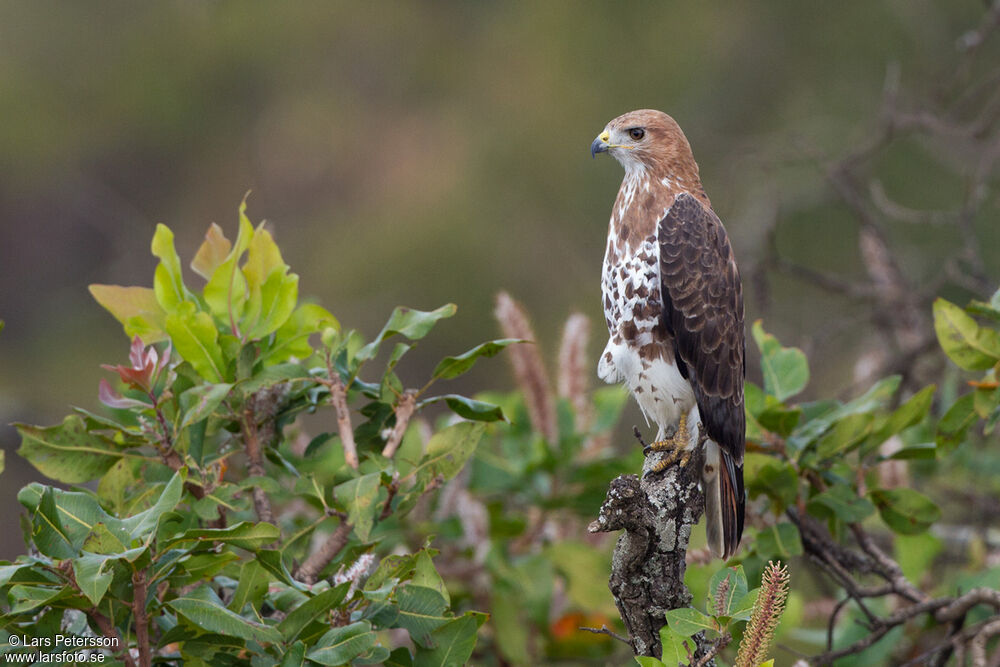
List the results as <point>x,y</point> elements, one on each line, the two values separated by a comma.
<point>637,133</point>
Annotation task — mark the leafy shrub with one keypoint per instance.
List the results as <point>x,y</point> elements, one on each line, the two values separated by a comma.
<point>214,533</point>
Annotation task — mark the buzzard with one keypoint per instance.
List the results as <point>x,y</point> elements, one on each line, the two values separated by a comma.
<point>673,303</point>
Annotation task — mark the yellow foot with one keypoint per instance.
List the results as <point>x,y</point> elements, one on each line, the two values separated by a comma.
<point>677,448</point>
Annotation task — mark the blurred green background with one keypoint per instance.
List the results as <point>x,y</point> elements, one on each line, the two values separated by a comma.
<point>421,153</point>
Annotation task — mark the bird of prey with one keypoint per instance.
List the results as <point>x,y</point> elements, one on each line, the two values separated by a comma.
<point>673,303</point>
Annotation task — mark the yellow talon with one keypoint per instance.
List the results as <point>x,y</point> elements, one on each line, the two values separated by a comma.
<point>676,446</point>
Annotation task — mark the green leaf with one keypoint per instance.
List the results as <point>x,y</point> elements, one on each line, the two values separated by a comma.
<point>144,524</point>
<point>425,574</point>
<point>200,401</point>
<point>68,452</point>
<point>399,658</point>
<point>905,511</point>
<point>817,424</point>
<point>295,656</point>
<point>413,324</point>
<point>292,338</point>
<point>168,283</point>
<point>28,598</point>
<point>359,497</point>
<point>467,408</point>
<point>841,501</point>
<point>447,452</point>
<point>970,346</point>
<point>196,339</point>
<point>734,586</point>
<point>677,649</point>
<point>50,535</point>
<point>272,561</point>
<point>226,290</point>
<point>64,520</point>
<point>204,610</point>
<point>786,370</point>
<point>780,540</point>
<point>245,535</point>
<point>93,575</point>
<point>136,308</point>
<point>778,481</point>
<point>908,414</point>
<point>421,611</point>
<point>252,587</point>
<point>341,645</point>
<point>453,642</point>
<point>743,609</point>
<point>451,367</point>
<point>687,621</point>
<point>845,434</point>
<point>647,661</point>
<point>310,610</point>
<point>955,423</point>
<point>779,419</point>
<point>273,291</point>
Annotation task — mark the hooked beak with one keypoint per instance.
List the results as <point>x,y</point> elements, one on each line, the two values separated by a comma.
<point>600,144</point>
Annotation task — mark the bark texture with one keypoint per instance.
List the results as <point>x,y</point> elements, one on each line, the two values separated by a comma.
<point>647,568</point>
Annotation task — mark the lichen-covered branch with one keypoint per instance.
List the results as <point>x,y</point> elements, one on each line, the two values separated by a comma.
<point>647,568</point>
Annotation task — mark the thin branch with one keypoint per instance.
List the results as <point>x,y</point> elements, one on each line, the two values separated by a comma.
<point>404,411</point>
<point>338,398</point>
<point>889,568</point>
<point>604,630</point>
<point>139,583</point>
<point>255,464</point>
<point>310,569</point>
<point>719,644</point>
<point>393,489</point>
<point>109,631</point>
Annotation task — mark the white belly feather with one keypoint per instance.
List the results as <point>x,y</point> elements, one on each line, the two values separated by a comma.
<point>630,281</point>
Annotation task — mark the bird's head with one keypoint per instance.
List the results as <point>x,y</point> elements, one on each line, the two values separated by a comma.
<point>646,140</point>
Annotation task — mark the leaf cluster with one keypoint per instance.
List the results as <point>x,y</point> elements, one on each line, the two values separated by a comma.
<point>198,543</point>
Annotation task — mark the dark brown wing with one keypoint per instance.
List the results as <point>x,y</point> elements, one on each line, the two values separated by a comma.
<point>703,312</point>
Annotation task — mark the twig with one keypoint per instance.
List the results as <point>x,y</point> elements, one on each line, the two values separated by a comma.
<point>719,644</point>
<point>109,631</point>
<point>338,398</point>
<point>604,630</point>
<point>141,619</point>
<point>404,411</point>
<point>255,464</point>
<point>393,489</point>
<point>889,568</point>
<point>310,569</point>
